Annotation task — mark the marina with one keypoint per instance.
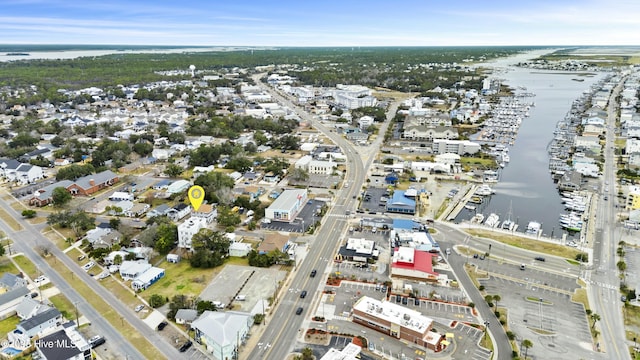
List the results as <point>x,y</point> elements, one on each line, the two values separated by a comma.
<point>519,190</point>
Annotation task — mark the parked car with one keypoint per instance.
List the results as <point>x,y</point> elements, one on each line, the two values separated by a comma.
<point>81,257</point>
<point>405,300</point>
<point>88,265</point>
<point>40,279</point>
<point>303,294</point>
<point>96,341</point>
<point>162,325</point>
<point>185,346</point>
<point>139,308</point>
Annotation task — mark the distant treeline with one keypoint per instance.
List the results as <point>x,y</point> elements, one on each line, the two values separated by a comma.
<point>393,67</point>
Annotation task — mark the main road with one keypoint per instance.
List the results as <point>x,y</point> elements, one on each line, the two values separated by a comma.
<point>604,281</point>
<point>285,327</point>
<point>30,241</point>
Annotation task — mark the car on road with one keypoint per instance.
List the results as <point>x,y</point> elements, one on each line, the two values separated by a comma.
<point>540,258</point>
<point>522,266</point>
<point>139,308</point>
<point>162,325</point>
<point>299,310</point>
<point>185,346</point>
<point>303,294</point>
<point>475,256</point>
<point>88,265</point>
<point>314,272</point>
<point>96,341</point>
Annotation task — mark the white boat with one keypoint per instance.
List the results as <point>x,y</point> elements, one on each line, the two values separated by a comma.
<point>493,220</point>
<point>477,218</point>
<point>484,190</point>
<point>470,207</point>
<point>505,158</point>
<point>508,224</point>
<point>533,228</point>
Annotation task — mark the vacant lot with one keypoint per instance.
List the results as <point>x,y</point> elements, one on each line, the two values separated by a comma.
<point>26,265</point>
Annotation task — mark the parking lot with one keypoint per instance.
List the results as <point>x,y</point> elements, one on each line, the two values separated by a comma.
<point>254,283</point>
<point>373,200</point>
<point>305,219</point>
<point>336,307</point>
<point>557,326</point>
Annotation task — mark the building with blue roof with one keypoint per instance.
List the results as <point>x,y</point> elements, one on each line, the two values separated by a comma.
<point>400,203</point>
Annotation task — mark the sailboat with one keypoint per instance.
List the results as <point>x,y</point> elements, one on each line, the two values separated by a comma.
<point>508,224</point>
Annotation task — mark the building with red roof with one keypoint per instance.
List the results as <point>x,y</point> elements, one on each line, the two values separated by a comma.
<point>409,263</point>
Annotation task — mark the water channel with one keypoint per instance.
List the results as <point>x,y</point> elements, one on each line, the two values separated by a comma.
<point>525,184</point>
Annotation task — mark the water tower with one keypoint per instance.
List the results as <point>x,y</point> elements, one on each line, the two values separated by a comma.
<point>193,70</point>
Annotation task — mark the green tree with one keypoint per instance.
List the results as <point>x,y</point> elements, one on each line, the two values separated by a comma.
<point>167,235</point>
<point>526,344</point>
<point>210,249</point>
<point>299,174</point>
<point>60,196</point>
<point>307,354</point>
<point>29,214</point>
<point>114,223</point>
<point>595,318</point>
<point>143,148</point>
<point>156,300</point>
<point>496,298</point>
<point>173,170</point>
<point>205,305</point>
<point>117,260</point>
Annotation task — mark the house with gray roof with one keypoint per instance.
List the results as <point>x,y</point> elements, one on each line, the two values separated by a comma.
<point>10,299</point>
<point>29,307</point>
<point>93,183</point>
<point>39,324</point>
<point>64,344</point>
<point>10,281</point>
<point>221,331</point>
<point>44,196</point>
<point>186,316</point>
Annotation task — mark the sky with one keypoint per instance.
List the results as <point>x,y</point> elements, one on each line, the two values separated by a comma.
<point>321,23</point>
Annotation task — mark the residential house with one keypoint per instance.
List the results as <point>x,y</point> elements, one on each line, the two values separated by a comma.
<point>10,299</point>
<point>207,212</point>
<point>129,269</point>
<point>178,186</point>
<point>61,162</point>
<point>147,278</point>
<point>103,237</point>
<point>136,210</point>
<point>274,241</point>
<point>239,249</point>
<point>23,173</point>
<point>160,210</point>
<point>64,344</point>
<point>179,212</point>
<point>188,229</point>
<point>37,325</point>
<point>111,258</point>
<point>10,281</point>
<point>91,184</point>
<point>186,316</point>
<point>121,196</point>
<point>271,178</point>
<point>29,307</point>
<point>429,132</point>
<point>162,184</point>
<point>222,331</point>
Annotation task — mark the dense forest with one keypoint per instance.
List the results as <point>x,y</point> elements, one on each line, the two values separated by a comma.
<point>383,66</point>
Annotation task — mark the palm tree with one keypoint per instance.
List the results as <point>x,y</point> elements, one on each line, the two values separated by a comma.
<point>620,251</point>
<point>622,266</point>
<point>526,344</point>
<point>496,298</point>
<point>595,317</point>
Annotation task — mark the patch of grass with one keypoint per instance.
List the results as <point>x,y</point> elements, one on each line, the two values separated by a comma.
<point>8,324</point>
<point>26,265</point>
<point>526,243</point>
<point>580,296</point>
<point>537,300</point>
<point>65,306</point>
<point>37,220</point>
<point>9,220</point>
<point>631,316</point>
<point>56,237</point>
<point>7,266</point>
<point>542,332</point>
<point>442,208</point>
<point>237,261</point>
<point>182,279</point>
<point>106,311</point>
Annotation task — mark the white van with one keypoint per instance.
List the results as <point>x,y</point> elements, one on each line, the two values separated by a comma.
<point>241,298</point>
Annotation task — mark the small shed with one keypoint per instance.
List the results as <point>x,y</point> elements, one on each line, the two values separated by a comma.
<point>173,258</point>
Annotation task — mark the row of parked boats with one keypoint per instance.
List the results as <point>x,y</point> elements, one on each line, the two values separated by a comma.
<point>503,125</point>
<point>576,205</point>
